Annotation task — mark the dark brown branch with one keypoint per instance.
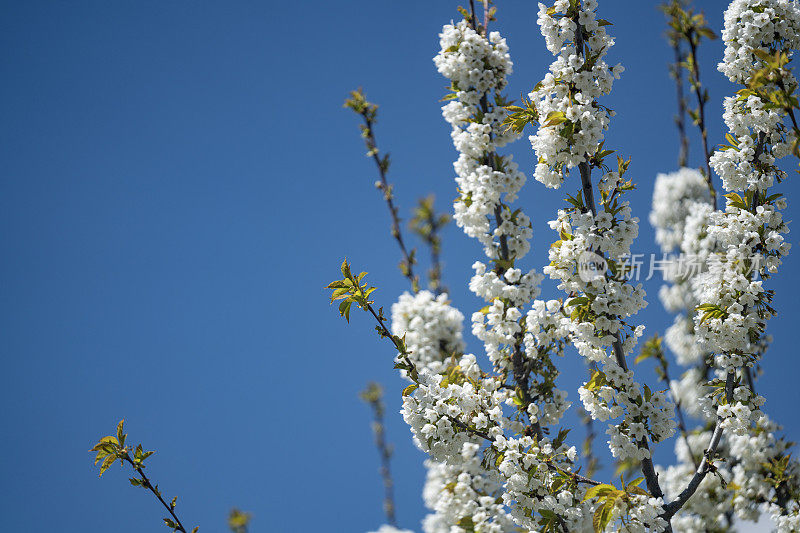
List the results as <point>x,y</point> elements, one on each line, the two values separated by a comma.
<point>373,396</point>
<point>148,485</point>
<point>388,195</point>
<point>694,80</point>
<point>680,118</point>
<point>706,465</point>
<point>369,112</point>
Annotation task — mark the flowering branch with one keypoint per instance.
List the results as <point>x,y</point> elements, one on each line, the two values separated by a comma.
<point>651,478</point>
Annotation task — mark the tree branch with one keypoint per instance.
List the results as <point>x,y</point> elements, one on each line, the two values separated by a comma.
<point>706,465</point>
<point>373,396</point>
<point>148,485</point>
<point>680,118</point>
<point>369,112</point>
<point>694,80</point>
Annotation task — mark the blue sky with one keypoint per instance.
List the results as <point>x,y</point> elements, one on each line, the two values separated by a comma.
<point>180,181</point>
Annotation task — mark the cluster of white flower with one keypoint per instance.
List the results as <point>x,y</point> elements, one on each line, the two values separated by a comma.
<point>571,128</point>
<point>752,28</point>
<point>612,394</point>
<point>529,469</point>
<point>750,243</point>
<point>752,481</point>
<point>738,417</point>
<point>455,408</point>
<point>607,237</point>
<point>597,321</point>
<point>498,324</point>
<point>746,448</point>
<point>752,25</point>
<point>432,329</point>
<point>443,407</point>
<point>474,64</point>
<point>572,122</point>
<point>748,235</point>
<point>476,67</point>
<point>466,494</point>
<point>487,181</point>
<point>675,196</point>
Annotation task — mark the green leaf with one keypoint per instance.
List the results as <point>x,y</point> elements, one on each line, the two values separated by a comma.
<point>120,435</point>
<point>599,491</point>
<point>411,388</point>
<point>344,309</point>
<point>107,462</point>
<point>635,482</point>
<point>555,118</point>
<point>345,268</point>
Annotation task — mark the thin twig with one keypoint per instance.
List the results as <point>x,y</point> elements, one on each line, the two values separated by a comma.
<point>680,118</point>
<point>388,195</point>
<point>147,484</point>
<point>368,112</point>
<point>427,225</point>
<point>694,80</point>
<point>373,396</point>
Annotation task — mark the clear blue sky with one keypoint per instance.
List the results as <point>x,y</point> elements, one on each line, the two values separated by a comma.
<point>178,183</point>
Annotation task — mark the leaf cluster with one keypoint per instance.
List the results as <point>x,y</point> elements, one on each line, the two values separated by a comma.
<point>112,448</point>
<point>359,104</point>
<point>350,290</point>
<point>608,497</point>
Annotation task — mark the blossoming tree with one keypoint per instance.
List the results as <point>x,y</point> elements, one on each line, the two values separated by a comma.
<point>491,423</point>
